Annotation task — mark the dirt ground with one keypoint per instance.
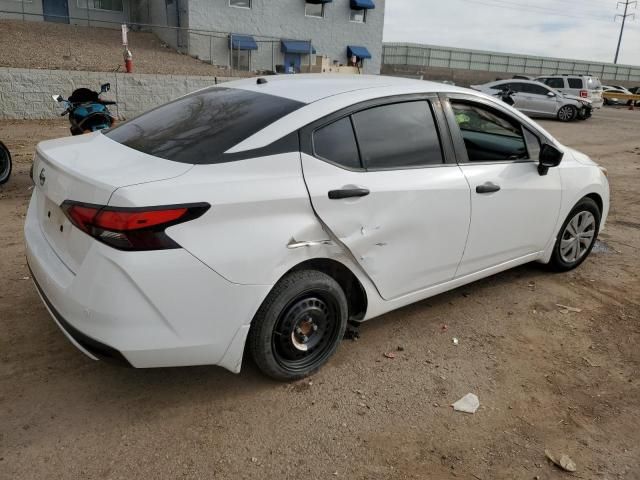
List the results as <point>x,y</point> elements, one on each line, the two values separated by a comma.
<point>568,382</point>
<point>95,49</point>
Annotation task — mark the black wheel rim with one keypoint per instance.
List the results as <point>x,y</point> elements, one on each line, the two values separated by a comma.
<point>5,162</point>
<point>306,331</point>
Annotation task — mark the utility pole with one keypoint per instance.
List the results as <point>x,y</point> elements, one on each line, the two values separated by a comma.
<point>624,16</point>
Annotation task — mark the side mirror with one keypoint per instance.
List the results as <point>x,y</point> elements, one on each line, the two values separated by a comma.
<point>57,98</point>
<point>551,94</point>
<point>549,157</point>
<point>105,87</point>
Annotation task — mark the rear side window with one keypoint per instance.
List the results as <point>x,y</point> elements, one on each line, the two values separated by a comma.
<point>399,135</point>
<point>555,82</point>
<point>575,82</point>
<point>201,126</point>
<point>336,142</point>
<point>534,89</point>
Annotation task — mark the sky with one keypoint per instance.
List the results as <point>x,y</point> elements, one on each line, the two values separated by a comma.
<point>576,29</point>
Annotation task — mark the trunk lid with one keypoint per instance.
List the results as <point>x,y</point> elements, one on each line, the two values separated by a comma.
<point>86,168</point>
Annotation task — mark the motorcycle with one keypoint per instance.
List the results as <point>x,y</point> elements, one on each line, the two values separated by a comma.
<point>5,164</point>
<point>87,111</point>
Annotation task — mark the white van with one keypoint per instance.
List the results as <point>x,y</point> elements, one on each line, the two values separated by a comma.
<point>584,86</point>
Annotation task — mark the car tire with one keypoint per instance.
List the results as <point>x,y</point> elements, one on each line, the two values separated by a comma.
<point>5,164</point>
<point>577,236</point>
<point>299,325</point>
<point>567,113</point>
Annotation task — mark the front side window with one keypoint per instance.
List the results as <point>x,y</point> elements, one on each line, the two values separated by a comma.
<point>400,135</point>
<point>241,60</point>
<point>114,5</point>
<point>198,128</point>
<point>240,3</point>
<point>489,135</point>
<point>575,82</point>
<point>336,142</point>
<point>358,16</point>
<point>314,9</point>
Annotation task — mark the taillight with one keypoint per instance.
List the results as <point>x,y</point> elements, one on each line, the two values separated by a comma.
<point>131,228</point>
<point>584,93</point>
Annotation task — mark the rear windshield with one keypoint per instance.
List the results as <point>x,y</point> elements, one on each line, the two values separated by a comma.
<point>593,83</point>
<point>201,126</point>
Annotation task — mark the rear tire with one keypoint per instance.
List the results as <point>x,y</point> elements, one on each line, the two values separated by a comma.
<point>577,236</point>
<point>567,113</point>
<point>5,164</point>
<point>299,325</point>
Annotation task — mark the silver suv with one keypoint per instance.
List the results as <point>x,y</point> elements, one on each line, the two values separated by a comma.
<point>584,86</point>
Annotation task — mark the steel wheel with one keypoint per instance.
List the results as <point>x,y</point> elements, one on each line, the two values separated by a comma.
<point>567,113</point>
<point>304,330</point>
<point>577,237</point>
<point>5,164</point>
<point>299,325</point>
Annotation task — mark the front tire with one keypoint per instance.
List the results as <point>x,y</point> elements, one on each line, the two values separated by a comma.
<point>298,326</point>
<point>567,113</point>
<point>577,236</point>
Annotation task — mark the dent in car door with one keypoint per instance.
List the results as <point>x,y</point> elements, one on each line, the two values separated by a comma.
<point>405,225</point>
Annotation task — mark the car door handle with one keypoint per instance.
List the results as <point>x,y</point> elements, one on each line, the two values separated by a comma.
<point>487,187</point>
<point>348,193</point>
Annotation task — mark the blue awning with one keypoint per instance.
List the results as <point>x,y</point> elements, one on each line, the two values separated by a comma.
<point>360,52</point>
<point>362,4</point>
<point>296,46</point>
<point>242,42</point>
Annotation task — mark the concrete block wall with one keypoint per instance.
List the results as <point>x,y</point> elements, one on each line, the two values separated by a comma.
<point>26,94</point>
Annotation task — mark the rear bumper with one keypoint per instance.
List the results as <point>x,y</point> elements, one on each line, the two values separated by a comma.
<point>146,309</point>
<point>90,346</point>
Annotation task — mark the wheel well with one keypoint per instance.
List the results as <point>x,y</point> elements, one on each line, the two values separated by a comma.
<point>596,198</point>
<point>353,289</point>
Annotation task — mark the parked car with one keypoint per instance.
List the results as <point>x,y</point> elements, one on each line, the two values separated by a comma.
<point>611,89</point>
<point>5,164</point>
<point>271,212</point>
<point>535,99</point>
<point>583,86</point>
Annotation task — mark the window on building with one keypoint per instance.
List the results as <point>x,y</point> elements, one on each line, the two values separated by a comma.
<point>358,16</point>
<point>401,135</point>
<point>241,60</point>
<point>240,3</point>
<point>113,5</point>
<point>314,9</point>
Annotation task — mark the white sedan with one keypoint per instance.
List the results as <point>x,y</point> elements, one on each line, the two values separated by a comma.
<point>270,212</point>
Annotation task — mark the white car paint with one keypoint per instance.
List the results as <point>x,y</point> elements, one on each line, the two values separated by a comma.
<point>421,232</point>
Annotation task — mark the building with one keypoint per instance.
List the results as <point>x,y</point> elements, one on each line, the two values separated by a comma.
<point>282,35</point>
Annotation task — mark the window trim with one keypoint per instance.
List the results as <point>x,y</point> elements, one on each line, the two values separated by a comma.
<point>440,122</point>
<point>364,15</point>
<point>239,6</point>
<point>458,142</point>
<point>321,16</point>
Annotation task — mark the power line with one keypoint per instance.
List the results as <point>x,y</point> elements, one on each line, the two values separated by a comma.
<point>520,7</point>
<point>624,16</point>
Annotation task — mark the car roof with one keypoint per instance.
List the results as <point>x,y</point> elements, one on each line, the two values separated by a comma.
<point>518,80</point>
<point>309,88</point>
